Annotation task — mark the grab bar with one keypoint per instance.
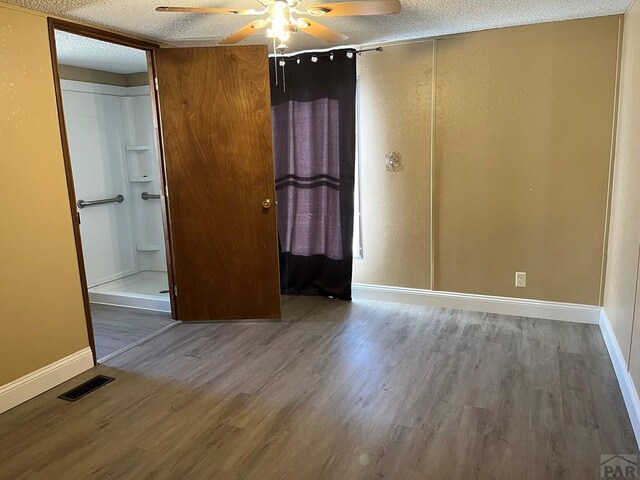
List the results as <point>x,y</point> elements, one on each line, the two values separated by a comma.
<point>148,196</point>
<point>84,203</point>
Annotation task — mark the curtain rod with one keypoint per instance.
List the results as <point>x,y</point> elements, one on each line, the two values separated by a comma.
<point>281,61</point>
<point>376,49</point>
<point>326,53</point>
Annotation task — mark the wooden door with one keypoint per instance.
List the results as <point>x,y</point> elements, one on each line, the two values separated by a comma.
<point>215,112</point>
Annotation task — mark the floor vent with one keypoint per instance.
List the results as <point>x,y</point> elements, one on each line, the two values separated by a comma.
<point>86,388</point>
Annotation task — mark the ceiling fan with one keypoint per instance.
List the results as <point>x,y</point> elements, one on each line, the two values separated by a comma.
<point>282,18</point>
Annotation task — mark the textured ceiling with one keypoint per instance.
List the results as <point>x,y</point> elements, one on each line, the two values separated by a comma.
<point>89,53</point>
<point>418,19</point>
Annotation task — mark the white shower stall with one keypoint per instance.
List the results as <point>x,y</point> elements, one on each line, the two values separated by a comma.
<point>114,159</point>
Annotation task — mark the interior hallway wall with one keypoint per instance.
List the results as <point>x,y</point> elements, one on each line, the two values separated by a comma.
<point>41,310</point>
<point>621,287</point>
<point>395,91</point>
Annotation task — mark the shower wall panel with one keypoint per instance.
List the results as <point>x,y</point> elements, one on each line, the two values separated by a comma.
<point>96,143</point>
<point>113,151</point>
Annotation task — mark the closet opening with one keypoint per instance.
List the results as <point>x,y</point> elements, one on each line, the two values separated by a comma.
<point>115,174</point>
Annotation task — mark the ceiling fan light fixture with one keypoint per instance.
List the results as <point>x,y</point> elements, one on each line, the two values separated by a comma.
<point>318,11</point>
<point>302,23</point>
<point>280,18</point>
<point>258,24</point>
<point>281,34</point>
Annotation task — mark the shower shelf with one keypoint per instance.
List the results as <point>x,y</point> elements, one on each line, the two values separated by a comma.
<point>140,179</point>
<point>136,148</point>
<point>148,248</point>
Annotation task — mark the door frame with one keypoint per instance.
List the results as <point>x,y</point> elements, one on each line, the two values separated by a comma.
<point>150,48</point>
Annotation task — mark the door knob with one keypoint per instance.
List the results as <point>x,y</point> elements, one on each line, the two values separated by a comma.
<point>267,203</point>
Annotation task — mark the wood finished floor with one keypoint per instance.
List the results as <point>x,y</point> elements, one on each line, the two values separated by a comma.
<point>117,327</point>
<point>339,390</point>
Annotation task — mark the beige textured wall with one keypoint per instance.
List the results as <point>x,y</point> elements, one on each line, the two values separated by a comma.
<point>137,79</point>
<point>624,232</point>
<point>524,120</point>
<point>395,88</point>
<point>41,309</point>
<point>68,72</point>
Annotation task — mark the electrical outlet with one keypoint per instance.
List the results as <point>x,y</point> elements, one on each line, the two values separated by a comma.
<point>521,279</point>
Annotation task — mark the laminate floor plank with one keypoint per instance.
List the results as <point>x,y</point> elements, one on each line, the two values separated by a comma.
<point>118,327</point>
<point>337,390</point>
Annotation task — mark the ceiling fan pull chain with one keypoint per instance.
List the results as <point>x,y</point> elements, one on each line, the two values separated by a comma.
<point>284,78</point>
<point>275,60</point>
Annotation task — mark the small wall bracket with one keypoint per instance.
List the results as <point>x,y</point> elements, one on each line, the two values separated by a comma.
<point>393,162</point>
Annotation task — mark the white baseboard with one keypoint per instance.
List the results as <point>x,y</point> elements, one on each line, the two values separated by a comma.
<point>97,282</point>
<point>141,302</point>
<point>567,312</point>
<point>45,378</point>
<point>629,392</point>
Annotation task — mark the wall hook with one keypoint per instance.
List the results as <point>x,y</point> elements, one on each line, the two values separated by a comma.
<point>393,162</point>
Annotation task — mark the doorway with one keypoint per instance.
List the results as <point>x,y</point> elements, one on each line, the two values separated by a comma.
<point>212,178</point>
<point>115,182</point>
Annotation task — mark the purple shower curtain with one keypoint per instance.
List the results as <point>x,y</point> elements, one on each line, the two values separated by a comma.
<point>314,150</point>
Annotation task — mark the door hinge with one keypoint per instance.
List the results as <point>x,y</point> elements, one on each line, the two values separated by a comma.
<point>175,290</point>
<point>155,82</point>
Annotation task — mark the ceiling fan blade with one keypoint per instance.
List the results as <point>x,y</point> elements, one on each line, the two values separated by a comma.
<point>320,31</point>
<point>251,11</point>
<point>345,9</point>
<point>243,33</point>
